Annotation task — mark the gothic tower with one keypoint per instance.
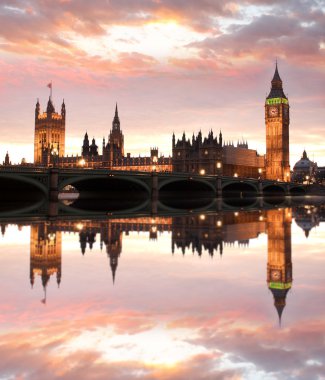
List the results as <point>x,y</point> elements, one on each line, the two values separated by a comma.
<point>116,138</point>
<point>277,131</point>
<point>279,265</point>
<point>49,133</point>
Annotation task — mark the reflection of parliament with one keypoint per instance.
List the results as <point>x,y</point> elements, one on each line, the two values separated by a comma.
<point>205,233</point>
<point>200,155</point>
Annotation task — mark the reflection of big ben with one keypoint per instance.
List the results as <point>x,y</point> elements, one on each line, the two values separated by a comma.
<point>45,254</point>
<point>279,266</point>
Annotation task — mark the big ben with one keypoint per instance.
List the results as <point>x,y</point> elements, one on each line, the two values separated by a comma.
<point>277,131</point>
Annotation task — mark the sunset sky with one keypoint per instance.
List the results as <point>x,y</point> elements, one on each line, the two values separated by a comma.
<point>172,65</point>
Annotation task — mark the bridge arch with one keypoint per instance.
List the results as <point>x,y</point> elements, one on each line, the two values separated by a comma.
<point>274,189</point>
<point>239,189</point>
<point>116,182</point>
<point>19,186</point>
<point>297,190</point>
<point>195,184</point>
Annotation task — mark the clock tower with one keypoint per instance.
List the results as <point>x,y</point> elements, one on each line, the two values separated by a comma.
<point>277,131</point>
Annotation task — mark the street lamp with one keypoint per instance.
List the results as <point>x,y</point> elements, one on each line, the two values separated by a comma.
<point>236,175</point>
<point>82,162</point>
<point>54,154</point>
<point>260,171</point>
<point>202,171</point>
<point>154,162</point>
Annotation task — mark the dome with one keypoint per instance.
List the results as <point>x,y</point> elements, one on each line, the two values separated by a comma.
<point>304,163</point>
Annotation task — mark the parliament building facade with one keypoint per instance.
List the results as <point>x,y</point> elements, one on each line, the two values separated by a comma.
<point>198,155</point>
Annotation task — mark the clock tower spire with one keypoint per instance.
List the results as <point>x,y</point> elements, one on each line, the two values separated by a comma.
<point>277,131</point>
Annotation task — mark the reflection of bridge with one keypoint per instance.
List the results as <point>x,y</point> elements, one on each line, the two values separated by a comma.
<point>34,182</point>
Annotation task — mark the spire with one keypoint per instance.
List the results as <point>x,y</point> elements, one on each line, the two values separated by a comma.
<point>50,107</point>
<point>276,76</point>
<point>276,85</point>
<point>279,301</point>
<point>113,273</point>
<point>116,120</point>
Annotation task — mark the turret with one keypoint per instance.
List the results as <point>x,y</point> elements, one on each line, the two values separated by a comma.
<point>199,137</point>
<point>50,108</point>
<point>93,150</point>
<point>37,109</point>
<point>63,110</point>
<point>7,161</point>
<point>85,146</point>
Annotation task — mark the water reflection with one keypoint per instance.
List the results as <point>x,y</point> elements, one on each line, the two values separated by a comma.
<point>189,233</point>
<point>156,316</point>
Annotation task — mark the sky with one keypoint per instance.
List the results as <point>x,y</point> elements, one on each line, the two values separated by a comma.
<point>171,65</point>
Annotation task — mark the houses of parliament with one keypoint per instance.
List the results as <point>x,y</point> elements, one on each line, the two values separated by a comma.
<point>198,154</point>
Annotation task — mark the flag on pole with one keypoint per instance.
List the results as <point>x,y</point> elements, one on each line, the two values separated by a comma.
<point>49,85</point>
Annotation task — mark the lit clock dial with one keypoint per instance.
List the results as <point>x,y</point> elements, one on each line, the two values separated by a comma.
<point>273,111</point>
<point>275,274</point>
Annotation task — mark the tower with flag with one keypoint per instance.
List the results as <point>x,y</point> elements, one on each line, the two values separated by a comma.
<point>49,137</point>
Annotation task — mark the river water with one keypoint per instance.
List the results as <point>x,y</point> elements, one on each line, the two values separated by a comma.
<point>214,295</point>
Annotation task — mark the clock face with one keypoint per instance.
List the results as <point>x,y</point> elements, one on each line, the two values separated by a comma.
<point>275,274</point>
<point>273,111</point>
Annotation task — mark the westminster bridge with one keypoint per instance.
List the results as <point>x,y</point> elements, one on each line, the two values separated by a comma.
<point>154,188</point>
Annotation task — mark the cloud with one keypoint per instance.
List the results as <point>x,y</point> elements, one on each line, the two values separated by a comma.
<point>195,59</point>
<point>270,35</point>
<point>93,347</point>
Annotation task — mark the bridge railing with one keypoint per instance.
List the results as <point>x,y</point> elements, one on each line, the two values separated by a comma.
<point>22,168</point>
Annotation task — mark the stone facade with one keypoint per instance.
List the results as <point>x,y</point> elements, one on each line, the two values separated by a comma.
<point>211,156</point>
